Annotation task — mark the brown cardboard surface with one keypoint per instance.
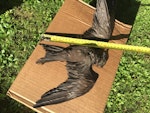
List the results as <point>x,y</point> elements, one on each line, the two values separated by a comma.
<point>34,79</point>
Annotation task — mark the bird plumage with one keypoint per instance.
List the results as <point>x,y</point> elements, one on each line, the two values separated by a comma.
<point>81,77</point>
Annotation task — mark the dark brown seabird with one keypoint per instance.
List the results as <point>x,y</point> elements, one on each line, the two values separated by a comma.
<point>80,58</point>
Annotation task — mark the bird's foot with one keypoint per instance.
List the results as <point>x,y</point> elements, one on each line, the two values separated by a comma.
<point>40,61</point>
<point>103,59</point>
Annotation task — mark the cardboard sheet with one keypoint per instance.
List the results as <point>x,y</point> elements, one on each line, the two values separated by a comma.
<point>34,79</point>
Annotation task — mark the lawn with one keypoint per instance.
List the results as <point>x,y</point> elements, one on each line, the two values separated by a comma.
<point>23,21</point>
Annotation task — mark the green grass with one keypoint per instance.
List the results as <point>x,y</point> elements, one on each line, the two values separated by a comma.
<point>21,26</point>
<point>131,89</point>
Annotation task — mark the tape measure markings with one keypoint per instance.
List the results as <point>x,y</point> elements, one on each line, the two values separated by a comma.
<point>93,43</point>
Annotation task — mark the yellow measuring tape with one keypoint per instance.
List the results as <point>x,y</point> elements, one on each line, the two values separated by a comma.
<point>93,43</point>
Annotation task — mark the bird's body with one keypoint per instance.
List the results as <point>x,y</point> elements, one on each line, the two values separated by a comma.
<point>80,59</point>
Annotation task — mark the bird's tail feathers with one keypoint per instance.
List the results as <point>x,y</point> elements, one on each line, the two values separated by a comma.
<point>52,48</point>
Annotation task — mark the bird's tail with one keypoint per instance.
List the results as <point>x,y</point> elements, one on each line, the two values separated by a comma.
<point>52,48</point>
<point>53,53</point>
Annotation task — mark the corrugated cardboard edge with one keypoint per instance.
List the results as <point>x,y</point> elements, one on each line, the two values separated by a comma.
<point>86,4</point>
<point>25,101</point>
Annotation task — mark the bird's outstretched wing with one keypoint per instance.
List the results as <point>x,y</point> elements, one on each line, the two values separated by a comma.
<point>79,82</point>
<point>103,21</point>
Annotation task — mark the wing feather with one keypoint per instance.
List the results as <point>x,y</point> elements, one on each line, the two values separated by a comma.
<point>78,83</point>
<point>103,21</point>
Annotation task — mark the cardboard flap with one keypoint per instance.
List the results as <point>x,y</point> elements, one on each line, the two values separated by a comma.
<point>74,17</point>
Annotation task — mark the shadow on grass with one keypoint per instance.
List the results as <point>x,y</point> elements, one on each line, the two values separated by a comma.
<point>126,10</point>
<point>8,4</point>
<point>145,5</point>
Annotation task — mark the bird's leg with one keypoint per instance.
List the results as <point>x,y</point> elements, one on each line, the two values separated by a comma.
<point>103,58</point>
<point>42,60</point>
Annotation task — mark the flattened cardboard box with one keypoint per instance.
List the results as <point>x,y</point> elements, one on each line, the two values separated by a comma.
<point>33,80</point>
